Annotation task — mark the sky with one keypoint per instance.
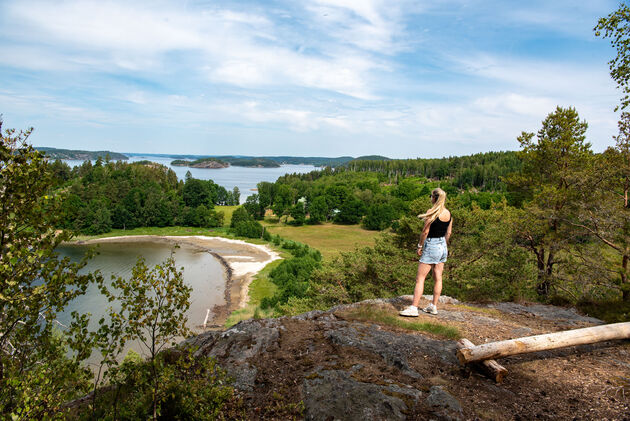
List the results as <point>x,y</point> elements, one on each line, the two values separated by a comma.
<point>403,79</point>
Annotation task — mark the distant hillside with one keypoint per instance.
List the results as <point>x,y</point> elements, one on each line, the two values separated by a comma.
<point>372,158</point>
<point>311,160</point>
<point>55,153</point>
<point>253,162</point>
<point>265,161</point>
<point>225,162</point>
<point>272,161</point>
<point>201,163</point>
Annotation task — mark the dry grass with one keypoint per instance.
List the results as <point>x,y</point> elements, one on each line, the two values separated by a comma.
<point>380,315</point>
<point>329,239</point>
<point>490,311</point>
<point>227,213</point>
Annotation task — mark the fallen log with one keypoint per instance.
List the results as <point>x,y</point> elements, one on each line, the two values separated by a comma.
<point>490,368</point>
<point>545,342</point>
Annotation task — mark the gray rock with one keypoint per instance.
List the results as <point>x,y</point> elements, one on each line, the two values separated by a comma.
<point>311,315</point>
<point>440,399</point>
<point>333,394</point>
<point>240,343</point>
<point>203,341</point>
<point>547,312</point>
<point>460,316</point>
<point>394,348</point>
<point>519,332</point>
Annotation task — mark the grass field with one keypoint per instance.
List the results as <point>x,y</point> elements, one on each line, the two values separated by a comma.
<point>227,213</point>
<point>212,232</point>
<point>329,239</point>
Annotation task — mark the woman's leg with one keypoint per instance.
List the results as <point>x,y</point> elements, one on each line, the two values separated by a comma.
<point>437,279</point>
<point>423,271</point>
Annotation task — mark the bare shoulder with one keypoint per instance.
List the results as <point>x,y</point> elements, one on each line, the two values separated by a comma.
<point>445,215</point>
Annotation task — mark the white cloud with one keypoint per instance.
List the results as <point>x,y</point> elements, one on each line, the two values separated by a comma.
<point>352,72</point>
<point>372,25</point>
<point>235,48</point>
<point>511,103</point>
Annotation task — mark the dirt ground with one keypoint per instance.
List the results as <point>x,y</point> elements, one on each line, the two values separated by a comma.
<point>588,382</point>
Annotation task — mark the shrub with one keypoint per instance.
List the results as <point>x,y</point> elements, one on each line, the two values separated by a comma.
<point>249,229</point>
<point>379,217</point>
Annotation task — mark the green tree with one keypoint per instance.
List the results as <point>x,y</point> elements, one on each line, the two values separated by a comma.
<point>298,214</point>
<point>249,229</point>
<point>350,212</point>
<point>603,212</point>
<point>240,214</point>
<point>317,210</point>
<point>283,200</point>
<point>196,192</point>
<point>153,305</point>
<point>254,207</point>
<point>236,196</point>
<point>379,217</point>
<point>266,194</point>
<point>553,164</point>
<point>616,26</point>
<point>37,375</point>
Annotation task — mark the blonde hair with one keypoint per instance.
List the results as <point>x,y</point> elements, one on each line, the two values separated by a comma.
<point>432,214</point>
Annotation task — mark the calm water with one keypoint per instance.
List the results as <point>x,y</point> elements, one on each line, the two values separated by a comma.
<point>202,271</point>
<point>243,178</point>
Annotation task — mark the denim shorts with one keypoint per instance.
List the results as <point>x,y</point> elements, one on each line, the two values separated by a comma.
<point>434,251</point>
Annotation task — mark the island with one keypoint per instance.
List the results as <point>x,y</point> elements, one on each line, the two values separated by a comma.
<point>200,163</point>
<point>226,162</point>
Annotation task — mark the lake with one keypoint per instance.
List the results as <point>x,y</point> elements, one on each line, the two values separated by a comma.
<point>202,271</point>
<point>242,177</point>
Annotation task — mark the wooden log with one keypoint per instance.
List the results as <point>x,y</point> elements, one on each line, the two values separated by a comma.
<point>545,342</point>
<point>490,368</point>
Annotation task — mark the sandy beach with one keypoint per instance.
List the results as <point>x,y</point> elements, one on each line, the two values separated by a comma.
<point>242,261</point>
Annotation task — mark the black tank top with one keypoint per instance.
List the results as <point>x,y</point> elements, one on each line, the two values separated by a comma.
<point>438,228</point>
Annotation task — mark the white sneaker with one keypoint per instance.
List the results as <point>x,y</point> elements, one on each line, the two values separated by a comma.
<point>431,309</point>
<point>409,311</point>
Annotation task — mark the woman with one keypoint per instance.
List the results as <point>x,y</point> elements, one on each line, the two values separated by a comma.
<point>433,251</point>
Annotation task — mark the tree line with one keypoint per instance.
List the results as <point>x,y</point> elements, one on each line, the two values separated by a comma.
<point>42,362</point>
<point>367,193</point>
<point>561,231</point>
<point>121,195</point>
<point>558,234</point>
<point>483,171</point>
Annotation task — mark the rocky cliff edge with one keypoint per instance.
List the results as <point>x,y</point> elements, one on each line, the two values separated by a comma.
<point>340,365</point>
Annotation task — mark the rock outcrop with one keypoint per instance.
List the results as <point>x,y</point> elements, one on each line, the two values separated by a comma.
<point>336,365</point>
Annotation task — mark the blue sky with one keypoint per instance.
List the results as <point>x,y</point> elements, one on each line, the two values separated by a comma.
<point>404,79</point>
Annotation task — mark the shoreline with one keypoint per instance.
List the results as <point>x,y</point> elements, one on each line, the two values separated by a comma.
<point>240,259</point>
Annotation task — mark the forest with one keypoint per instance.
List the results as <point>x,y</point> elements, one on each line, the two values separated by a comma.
<point>108,194</point>
<point>549,223</point>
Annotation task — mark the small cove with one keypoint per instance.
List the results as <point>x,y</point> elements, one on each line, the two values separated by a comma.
<point>201,270</point>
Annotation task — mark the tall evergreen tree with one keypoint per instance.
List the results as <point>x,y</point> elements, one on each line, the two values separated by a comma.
<point>553,162</point>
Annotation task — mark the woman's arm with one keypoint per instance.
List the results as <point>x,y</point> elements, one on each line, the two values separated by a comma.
<point>448,230</point>
<point>423,236</point>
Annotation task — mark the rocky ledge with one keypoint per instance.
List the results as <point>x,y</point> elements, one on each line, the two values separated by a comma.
<point>335,365</point>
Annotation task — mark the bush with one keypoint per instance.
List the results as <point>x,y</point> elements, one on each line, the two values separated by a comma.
<point>192,388</point>
<point>318,210</point>
<point>292,276</point>
<point>379,217</point>
<point>240,214</point>
<point>298,214</point>
<point>350,212</point>
<point>249,229</point>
